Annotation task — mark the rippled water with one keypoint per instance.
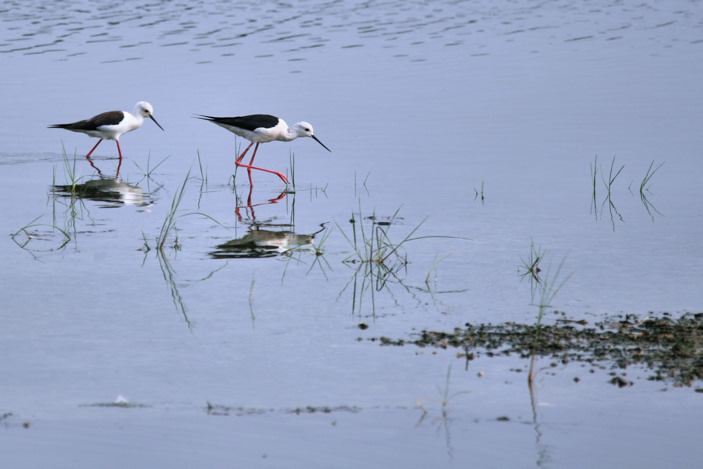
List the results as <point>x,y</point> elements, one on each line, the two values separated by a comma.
<point>245,340</point>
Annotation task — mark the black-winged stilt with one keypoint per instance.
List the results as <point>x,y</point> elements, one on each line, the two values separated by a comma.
<point>262,128</point>
<point>111,125</point>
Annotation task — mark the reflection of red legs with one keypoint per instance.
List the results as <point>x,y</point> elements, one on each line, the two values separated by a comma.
<point>251,189</point>
<point>91,151</point>
<point>251,206</point>
<point>238,162</point>
<point>119,150</point>
<point>94,167</point>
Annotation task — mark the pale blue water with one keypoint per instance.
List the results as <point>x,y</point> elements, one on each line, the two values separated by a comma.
<point>420,104</point>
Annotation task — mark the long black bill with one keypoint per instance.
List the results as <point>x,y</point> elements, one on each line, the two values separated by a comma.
<point>152,118</point>
<point>321,143</point>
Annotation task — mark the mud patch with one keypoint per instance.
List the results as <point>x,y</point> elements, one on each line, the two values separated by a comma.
<point>668,347</point>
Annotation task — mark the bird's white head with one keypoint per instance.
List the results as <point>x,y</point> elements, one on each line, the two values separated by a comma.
<point>144,109</point>
<point>303,129</point>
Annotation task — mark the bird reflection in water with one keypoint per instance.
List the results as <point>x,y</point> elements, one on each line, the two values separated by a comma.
<point>110,190</point>
<point>263,238</point>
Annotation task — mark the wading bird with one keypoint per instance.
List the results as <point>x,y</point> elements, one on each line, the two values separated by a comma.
<point>111,125</point>
<point>262,128</point>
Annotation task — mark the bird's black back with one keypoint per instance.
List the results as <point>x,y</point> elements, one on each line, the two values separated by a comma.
<point>106,118</point>
<point>251,122</point>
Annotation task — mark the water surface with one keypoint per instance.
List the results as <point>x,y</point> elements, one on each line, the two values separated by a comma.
<point>478,122</point>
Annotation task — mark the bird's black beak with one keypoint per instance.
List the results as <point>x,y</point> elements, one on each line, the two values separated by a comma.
<point>152,118</point>
<point>315,138</point>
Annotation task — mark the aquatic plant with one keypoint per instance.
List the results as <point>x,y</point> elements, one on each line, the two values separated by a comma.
<point>445,396</point>
<point>376,245</point>
<point>203,172</point>
<point>149,170</point>
<point>291,163</point>
<point>173,215</point>
<point>477,193</point>
<point>608,183</point>
<point>530,268</point>
<point>646,181</point>
<point>69,168</point>
<point>378,258</point>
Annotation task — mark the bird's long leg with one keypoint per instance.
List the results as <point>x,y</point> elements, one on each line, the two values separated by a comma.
<point>119,150</point>
<point>238,162</point>
<point>91,151</point>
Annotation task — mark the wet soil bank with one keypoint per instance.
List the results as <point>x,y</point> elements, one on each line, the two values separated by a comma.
<point>667,346</point>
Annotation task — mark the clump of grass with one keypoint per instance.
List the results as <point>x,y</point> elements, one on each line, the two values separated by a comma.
<point>646,181</point>
<point>548,287</point>
<point>644,187</point>
<point>29,233</point>
<point>375,245</point>
<point>173,215</point>
<point>69,168</point>
<point>531,269</point>
<point>149,170</point>
<point>378,255</point>
<point>608,183</point>
<point>72,180</point>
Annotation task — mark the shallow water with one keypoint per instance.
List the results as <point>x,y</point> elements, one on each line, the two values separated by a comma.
<point>424,106</point>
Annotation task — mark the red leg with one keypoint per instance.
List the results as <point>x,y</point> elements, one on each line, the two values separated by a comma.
<point>119,150</point>
<point>91,151</point>
<point>238,162</point>
<point>251,183</point>
<point>254,155</point>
